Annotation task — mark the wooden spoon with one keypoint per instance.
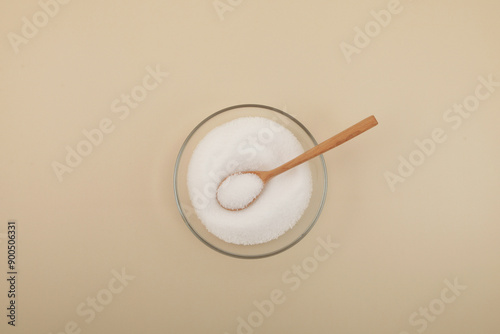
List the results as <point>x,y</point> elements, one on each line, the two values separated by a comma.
<point>325,146</point>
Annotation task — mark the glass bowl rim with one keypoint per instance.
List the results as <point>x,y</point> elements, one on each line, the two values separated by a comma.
<point>176,193</point>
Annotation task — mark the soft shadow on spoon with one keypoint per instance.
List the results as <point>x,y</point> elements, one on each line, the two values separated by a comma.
<point>255,186</point>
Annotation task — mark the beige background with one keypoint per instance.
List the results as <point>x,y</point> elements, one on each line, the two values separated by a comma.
<point>117,209</point>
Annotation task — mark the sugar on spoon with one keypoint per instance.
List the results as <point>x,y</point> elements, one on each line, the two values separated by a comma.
<point>239,190</point>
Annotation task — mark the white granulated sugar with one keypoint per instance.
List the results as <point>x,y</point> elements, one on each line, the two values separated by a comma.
<point>239,190</point>
<point>249,144</point>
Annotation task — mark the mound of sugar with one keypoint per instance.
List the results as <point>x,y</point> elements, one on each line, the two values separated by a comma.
<point>245,144</point>
<point>239,190</point>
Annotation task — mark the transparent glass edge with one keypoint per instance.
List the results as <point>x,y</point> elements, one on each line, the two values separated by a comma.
<point>296,241</point>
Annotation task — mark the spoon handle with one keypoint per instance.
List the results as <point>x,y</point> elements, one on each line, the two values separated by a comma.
<point>325,146</point>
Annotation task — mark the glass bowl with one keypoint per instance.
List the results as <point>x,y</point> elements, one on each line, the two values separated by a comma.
<point>289,238</point>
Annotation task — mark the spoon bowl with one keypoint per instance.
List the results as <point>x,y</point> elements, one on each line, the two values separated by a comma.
<point>264,176</point>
